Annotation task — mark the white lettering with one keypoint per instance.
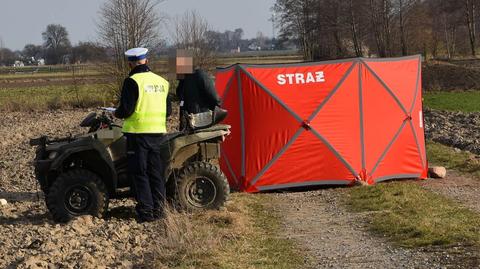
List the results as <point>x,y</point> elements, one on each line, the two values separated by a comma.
<point>301,78</point>
<point>320,76</point>
<point>290,78</point>
<point>153,88</point>
<point>310,78</point>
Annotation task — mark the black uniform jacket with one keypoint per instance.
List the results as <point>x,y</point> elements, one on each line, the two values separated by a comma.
<point>197,93</point>
<point>129,97</point>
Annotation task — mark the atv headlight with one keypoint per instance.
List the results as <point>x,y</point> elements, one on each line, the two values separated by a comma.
<point>52,155</point>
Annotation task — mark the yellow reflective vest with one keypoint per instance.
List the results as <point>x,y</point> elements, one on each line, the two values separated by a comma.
<point>150,116</point>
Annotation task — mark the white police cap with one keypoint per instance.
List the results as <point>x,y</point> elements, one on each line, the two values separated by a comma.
<point>136,54</point>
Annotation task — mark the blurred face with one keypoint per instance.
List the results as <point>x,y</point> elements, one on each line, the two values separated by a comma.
<point>181,64</point>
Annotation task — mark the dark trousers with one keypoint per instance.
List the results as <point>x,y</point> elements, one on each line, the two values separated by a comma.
<point>146,166</point>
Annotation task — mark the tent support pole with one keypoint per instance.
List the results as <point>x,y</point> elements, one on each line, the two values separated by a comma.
<point>242,120</point>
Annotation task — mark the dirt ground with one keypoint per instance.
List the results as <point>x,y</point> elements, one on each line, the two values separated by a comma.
<point>28,236</point>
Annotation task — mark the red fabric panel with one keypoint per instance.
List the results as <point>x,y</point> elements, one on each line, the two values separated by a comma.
<point>222,78</point>
<point>232,147</point>
<point>339,121</point>
<point>382,118</point>
<point>307,159</point>
<point>400,77</point>
<point>402,158</point>
<point>303,98</point>
<point>268,127</point>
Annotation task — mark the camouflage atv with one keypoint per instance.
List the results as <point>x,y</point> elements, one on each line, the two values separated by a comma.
<point>79,175</point>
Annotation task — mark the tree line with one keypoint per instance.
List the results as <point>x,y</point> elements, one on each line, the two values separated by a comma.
<point>120,28</point>
<point>56,49</point>
<point>327,29</point>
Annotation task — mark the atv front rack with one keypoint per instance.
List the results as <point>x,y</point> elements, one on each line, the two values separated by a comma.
<point>44,140</point>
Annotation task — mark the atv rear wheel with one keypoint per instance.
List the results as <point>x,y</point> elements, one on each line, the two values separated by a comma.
<point>201,186</point>
<point>75,193</point>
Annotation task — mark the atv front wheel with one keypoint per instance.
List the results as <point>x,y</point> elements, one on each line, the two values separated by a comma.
<point>201,186</point>
<point>75,193</point>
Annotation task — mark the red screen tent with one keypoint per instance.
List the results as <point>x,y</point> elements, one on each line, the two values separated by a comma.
<point>333,122</point>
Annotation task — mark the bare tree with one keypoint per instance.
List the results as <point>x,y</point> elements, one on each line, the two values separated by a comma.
<point>55,36</point>
<point>297,21</point>
<point>125,24</point>
<point>403,8</point>
<point>470,19</point>
<point>335,29</point>
<point>353,21</point>
<point>190,32</point>
<point>56,43</point>
<point>381,17</point>
<point>32,51</point>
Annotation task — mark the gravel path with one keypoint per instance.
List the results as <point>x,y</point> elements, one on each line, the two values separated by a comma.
<point>458,187</point>
<point>336,238</point>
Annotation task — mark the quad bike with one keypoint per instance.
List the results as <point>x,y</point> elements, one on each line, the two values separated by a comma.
<point>78,175</point>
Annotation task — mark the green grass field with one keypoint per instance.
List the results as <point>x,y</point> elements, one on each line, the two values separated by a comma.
<point>465,101</point>
<point>54,97</point>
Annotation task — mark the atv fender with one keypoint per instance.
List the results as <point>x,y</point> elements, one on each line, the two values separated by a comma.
<point>204,151</point>
<point>94,157</point>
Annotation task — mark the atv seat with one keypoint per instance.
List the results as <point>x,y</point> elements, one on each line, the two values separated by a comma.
<point>205,120</point>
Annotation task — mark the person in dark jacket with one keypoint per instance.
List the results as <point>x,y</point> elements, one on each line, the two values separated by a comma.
<point>195,90</point>
<point>145,106</point>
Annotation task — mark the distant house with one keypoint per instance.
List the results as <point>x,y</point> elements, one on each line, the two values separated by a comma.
<point>18,64</point>
<point>254,47</point>
<point>237,50</point>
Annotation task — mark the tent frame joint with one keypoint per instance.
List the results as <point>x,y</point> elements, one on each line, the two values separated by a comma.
<point>306,125</point>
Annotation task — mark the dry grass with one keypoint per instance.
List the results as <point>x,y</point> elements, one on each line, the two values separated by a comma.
<point>443,76</point>
<point>244,235</point>
<point>82,73</point>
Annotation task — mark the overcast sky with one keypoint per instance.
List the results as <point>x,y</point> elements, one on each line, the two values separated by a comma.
<point>23,21</point>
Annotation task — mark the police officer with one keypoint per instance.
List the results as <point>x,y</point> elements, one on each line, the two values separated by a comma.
<point>144,106</point>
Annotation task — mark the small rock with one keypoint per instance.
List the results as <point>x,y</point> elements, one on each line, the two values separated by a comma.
<point>36,244</point>
<point>3,202</point>
<point>437,172</point>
